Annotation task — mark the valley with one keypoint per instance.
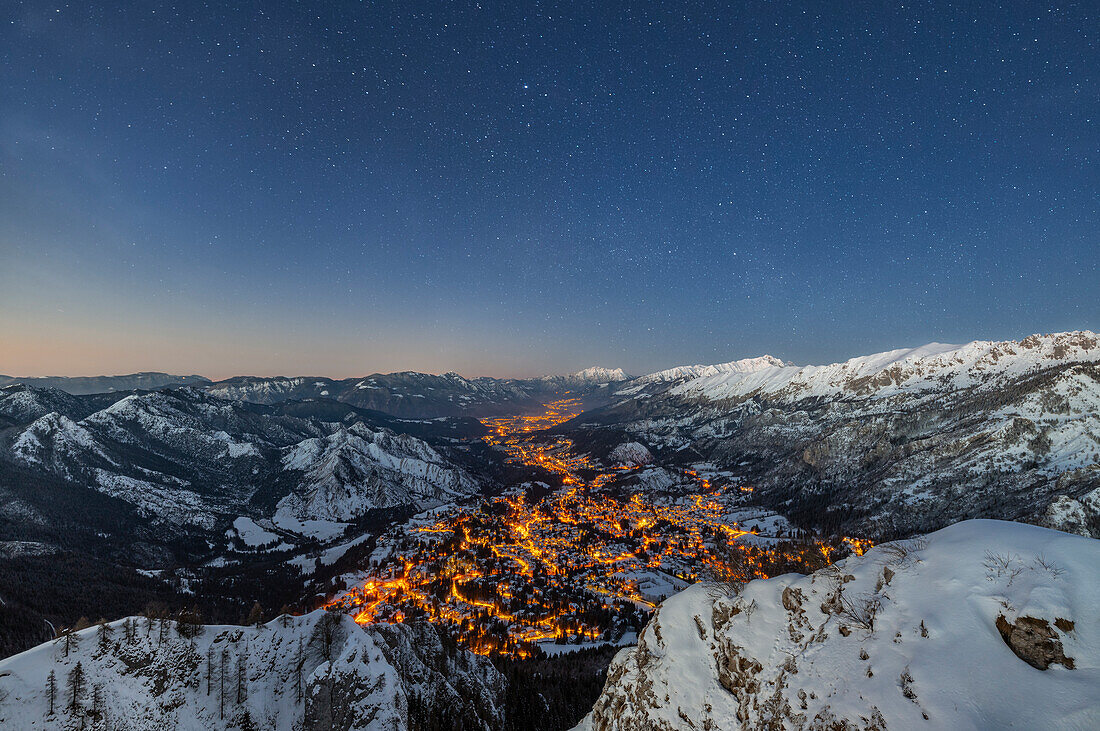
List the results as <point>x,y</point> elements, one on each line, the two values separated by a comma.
<point>581,563</point>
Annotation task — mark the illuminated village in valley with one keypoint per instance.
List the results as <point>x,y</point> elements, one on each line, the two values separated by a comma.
<point>578,565</point>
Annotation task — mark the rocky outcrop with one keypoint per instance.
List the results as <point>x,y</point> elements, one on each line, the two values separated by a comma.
<point>442,680</point>
<point>631,454</point>
<point>1034,641</point>
<point>904,637</point>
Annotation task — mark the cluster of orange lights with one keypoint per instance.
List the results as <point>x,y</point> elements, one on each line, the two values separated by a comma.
<point>858,546</point>
<point>567,566</point>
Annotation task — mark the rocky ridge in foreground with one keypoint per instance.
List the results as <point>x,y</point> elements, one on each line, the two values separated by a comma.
<point>985,624</point>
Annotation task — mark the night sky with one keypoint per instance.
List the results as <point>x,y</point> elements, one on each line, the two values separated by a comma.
<point>519,188</point>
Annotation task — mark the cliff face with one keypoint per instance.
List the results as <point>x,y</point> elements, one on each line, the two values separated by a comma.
<point>950,631</point>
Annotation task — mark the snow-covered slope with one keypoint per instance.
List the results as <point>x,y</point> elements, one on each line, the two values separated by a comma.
<point>745,365</point>
<point>947,632</point>
<point>313,672</point>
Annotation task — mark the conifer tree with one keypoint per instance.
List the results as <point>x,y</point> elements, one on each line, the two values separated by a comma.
<point>69,640</point>
<point>241,679</point>
<point>76,682</point>
<point>246,723</point>
<point>51,690</point>
<point>103,634</point>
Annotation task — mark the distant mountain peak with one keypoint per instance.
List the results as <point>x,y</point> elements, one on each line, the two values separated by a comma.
<point>598,374</point>
<point>591,376</point>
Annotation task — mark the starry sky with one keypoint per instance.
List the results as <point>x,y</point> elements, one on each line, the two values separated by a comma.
<point>528,187</point>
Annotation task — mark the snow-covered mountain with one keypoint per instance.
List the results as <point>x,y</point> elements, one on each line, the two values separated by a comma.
<point>894,443</point>
<point>594,376</point>
<point>186,460</point>
<point>356,469</point>
<point>981,625</point>
<point>318,671</point>
<point>406,394</point>
<point>20,403</point>
<point>982,364</point>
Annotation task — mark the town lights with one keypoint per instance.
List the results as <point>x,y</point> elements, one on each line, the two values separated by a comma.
<point>570,566</point>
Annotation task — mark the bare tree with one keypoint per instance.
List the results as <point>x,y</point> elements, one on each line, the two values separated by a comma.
<point>242,680</point>
<point>128,630</point>
<point>221,682</point>
<point>325,633</point>
<point>189,624</point>
<point>209,668</point>
<point>255,615</point>
<point>299,662</point>
<point>861,610</point>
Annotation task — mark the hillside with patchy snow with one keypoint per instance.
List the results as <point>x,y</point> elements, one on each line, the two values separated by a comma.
<point>982,625</point>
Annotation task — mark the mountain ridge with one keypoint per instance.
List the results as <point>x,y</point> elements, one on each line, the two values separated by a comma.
<point>889,444</point>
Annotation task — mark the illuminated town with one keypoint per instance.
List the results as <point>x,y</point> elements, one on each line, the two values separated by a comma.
<point>582,563</point>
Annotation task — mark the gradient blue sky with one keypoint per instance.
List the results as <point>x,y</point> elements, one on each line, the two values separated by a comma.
<point>519,188</point>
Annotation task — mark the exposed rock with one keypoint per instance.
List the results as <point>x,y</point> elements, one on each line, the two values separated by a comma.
<point>632,454</point>
<point>1034,641</point>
